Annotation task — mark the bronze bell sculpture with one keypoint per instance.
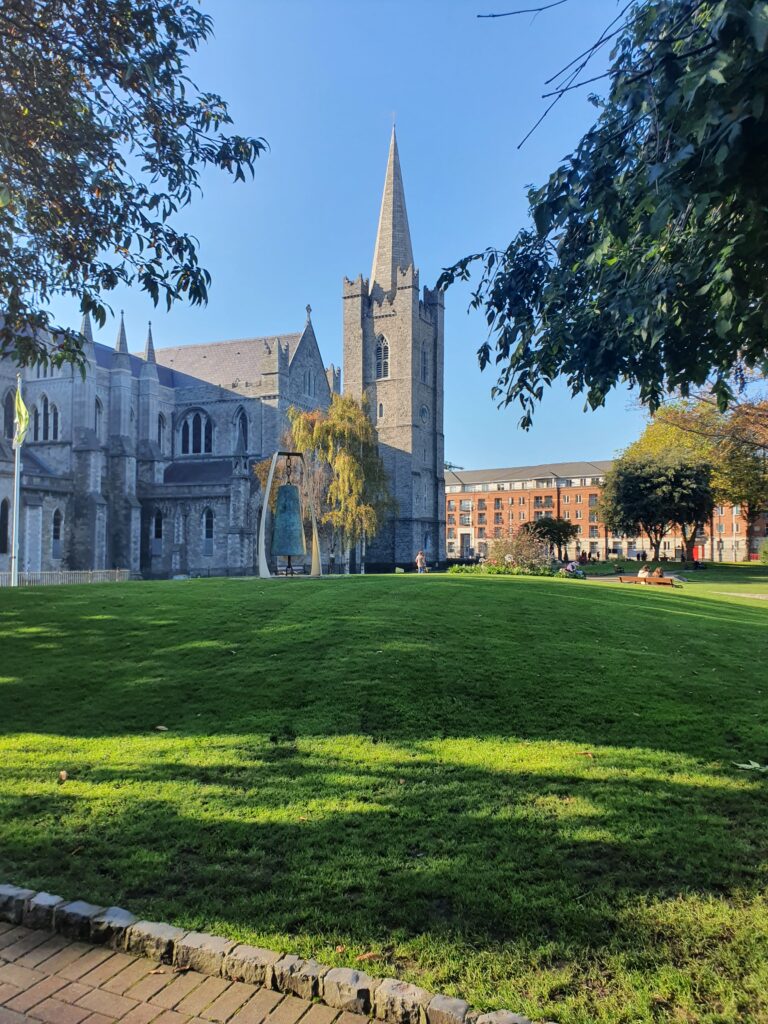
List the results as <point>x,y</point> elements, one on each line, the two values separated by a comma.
<point>288,538</point>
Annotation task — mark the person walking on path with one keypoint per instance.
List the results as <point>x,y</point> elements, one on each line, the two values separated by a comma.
<point>421,562</point>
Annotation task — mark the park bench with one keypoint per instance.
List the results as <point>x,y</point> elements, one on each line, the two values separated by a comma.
<point>657,581</point>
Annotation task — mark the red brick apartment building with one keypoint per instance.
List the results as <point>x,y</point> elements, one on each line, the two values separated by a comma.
<point>483,504</point>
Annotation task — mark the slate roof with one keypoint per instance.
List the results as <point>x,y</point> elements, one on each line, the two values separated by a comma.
<point>541,472</point>
<point>224,362</point>
<point>199,471</point>
<point>105,357</point>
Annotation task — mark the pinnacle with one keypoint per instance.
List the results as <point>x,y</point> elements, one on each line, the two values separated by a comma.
<point>393,250</point>
<point>149,349</point>
<point>86,330</point>
<point>122,341</point>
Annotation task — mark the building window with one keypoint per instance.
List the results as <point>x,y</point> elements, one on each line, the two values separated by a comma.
<point>157,533</point>
<point>424,364</point>
<point>196,434</point>
<point>451,535</point>
<point>593,531</point>
<point>497,502</point>
<point>522,517</point>
<point>593,517</point>
<point>481,504</point>
<point>208,532</point>
<point>579,514</point>
<point>242,430</point>
<point>451,520</point>
<point>382,359</point>
<point>481,517</point>
<point>566,499</point>
<point>465,520</point>
<point>521,500</point>
<point>497,517</point>
<point>579,499</point>
<point>593,500</point>
<point>54,423</point>
<point>98,418</point>
<point>35,424</point>
<point>56,545</point>
<point>5,509</point>
<point>46,418</point>
<point>566,515</point>
<point>497,532</point>
<point>9,415</point>
<point>465,505</point>
<point>451,505</point>
<point>481,533</point>
<point>381,410</point>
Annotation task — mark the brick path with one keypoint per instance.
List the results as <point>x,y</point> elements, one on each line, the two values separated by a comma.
<point>48,978</point>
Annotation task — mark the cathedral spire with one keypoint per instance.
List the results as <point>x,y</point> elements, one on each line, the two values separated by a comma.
<point>149,349</point>
<point>122,341</point>
<point>393,239</point>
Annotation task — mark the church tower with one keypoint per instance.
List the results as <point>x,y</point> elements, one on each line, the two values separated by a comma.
<point>393,357</point>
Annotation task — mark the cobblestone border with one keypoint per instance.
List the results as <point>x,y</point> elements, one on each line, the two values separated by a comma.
<point>343,988</point>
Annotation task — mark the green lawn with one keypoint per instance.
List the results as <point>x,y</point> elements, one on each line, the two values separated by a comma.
<point>517,790</point>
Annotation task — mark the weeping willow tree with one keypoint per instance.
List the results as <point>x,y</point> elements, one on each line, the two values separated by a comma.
<point>352,489</point>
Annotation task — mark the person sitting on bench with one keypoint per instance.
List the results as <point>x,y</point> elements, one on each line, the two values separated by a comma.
<point>658,572</point>
<point>644,573</point>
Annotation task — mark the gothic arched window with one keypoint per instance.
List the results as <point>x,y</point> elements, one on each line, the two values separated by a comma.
<point>197,433</point>
<point>242,429</point>
<point>98,418</point>
<point>9,415</point>
<point>54,423</point>
<point>424,364</point>
<point>381,410</point>
<point>161,432</point>
<point>46,418</point>
<point>35,424</point>
<point>382,359</point>
<point>56,535</point>
<point>208,532</point>
<point>5,510</point>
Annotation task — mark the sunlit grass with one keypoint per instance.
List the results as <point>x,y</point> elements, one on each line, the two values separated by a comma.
<point>519,791</point>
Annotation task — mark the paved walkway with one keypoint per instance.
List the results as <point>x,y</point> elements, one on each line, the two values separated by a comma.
<point>48,978</point>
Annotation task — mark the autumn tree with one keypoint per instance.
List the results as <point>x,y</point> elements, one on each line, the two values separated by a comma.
<point>697,433</point>
<point>355,495</point>
<point>647,253</point>
<point>103,140</point>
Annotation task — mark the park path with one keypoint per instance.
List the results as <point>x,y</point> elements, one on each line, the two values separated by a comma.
<point>52,979</point>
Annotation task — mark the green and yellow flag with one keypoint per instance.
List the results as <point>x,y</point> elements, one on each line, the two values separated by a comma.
<point>22,419</point>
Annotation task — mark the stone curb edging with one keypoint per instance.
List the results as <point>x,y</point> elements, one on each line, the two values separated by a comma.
<point>343,988</point>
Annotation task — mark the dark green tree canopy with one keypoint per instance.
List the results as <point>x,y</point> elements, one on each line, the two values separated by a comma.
<point>558,532</point>
<point>648,255</point>
<point>103,138</point>
<point>655,494</point>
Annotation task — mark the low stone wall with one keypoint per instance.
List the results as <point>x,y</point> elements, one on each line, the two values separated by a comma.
<point>385,999</point>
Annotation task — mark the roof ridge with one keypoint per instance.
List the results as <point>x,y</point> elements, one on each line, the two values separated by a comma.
<point>230,341</point>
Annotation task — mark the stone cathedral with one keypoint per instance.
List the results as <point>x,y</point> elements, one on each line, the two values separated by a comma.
<point>145,461</point>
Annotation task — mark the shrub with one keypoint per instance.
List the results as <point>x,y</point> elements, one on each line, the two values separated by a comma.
<point>522,550</point>
<point>764,552</point>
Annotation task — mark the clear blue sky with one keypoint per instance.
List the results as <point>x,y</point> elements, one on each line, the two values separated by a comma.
<point>320,81</point>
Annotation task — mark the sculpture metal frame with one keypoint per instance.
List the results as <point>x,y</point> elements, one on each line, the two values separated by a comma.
<point>317,567</point>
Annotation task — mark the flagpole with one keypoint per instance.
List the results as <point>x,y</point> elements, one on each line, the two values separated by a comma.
<point>16,499</point>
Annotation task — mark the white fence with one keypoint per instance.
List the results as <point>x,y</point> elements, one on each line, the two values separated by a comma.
<point>49,579</point>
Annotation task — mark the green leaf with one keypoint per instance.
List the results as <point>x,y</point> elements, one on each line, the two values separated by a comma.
<point>5,197</point>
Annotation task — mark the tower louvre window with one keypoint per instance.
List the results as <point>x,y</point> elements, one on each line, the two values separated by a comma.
<point>382,359</point>
<point>98,415</point>
<point>54,423</point>
<point>46,418</point>
<point>161,432</point>
<point>424,364</point>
